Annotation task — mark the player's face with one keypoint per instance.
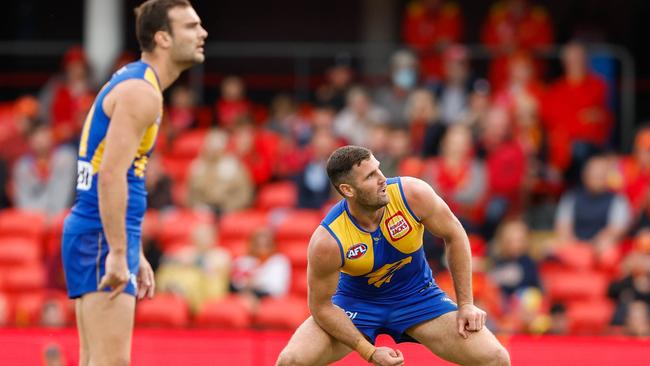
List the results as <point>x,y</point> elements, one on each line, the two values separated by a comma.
<point>188,35</point>
<point>370,184</point>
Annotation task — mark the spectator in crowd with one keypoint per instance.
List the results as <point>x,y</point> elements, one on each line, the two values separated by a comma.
<point>575,111</point>
<point>43,178</point>
<point>637,322</point>
<point>453,92</point>
<point>181,113</point>
<point>67,99</point>
<point>286,121</point>
<point>217,178</point>
<point>513,269</point>
<point>458,177</point>
<point>634,282</point>
<point>428,27</point>
<point>593,214</point>
<point>559,322</point>
<point>53,355</point>
<point>522,97</point>
<point>232,104</point>
<point>159,185</point>
<point>333,93</point>
<point>198,270</point>
<point>398,148</point>
<point>359,116</point>
<point>506,166</point>
<point>426,128</point>
<point>53,314</point>
<point>514,25</point>
<point>632,176</point>
<point>313,184</point>
<point>404,78</point>
<point>15,127</point>
<point>254,148</point>
<point>262,272</point>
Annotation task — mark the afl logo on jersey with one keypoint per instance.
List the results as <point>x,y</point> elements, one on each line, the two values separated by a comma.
<point>397,225</point>
<point>357,251</point>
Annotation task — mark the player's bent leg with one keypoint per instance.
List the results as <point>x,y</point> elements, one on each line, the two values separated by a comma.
<point>311,345</point>
<point>108,327</point>
<point>441,336</point>
<point>84,355</point>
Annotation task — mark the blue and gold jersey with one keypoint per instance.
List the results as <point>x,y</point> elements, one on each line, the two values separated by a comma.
<point>85,212</point>
<point>385,264</point>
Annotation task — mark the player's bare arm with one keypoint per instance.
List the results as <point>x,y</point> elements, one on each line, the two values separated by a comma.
<point>322,277</point>
<point>132,106</point>
<point>438,219</point>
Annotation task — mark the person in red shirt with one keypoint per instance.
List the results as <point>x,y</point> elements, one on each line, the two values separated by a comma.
<point>72,97</point>
<point>514,25</point>
<point>575,112</point>
<point>233,103</point>
<point>428,27</point>
<point>633,174</point>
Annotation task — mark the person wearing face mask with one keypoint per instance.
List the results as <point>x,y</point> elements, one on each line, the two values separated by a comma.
<point>404,79</point>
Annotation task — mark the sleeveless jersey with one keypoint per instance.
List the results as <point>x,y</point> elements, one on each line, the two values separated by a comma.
<point>388,263</point>
<point>84,216</point>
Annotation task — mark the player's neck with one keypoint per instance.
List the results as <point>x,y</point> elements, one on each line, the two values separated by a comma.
<point>368,218</point>
<point>165,69</point>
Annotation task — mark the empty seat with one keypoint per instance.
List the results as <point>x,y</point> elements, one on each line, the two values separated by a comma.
<point>570,285</point>
<point>164,310</point>
<point>230,312</point>
<point>299,282</point>
<point>282,313</point>
<point>188,144</point>
<point>16,251</point>
<point>240,225</point>
<point>590,317</point>
<point>577,256</point>
<point>177,226</point>
<point>277,195</point>
<point>297,225</point>
<point>16,222</point>
<point>296,251</point>
<point>24,279</point>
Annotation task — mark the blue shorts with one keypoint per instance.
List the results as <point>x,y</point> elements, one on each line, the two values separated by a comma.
<point>374,317</point>
<point>84,256</point>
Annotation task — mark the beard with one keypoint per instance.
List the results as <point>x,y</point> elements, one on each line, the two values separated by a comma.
<point>371,200</point>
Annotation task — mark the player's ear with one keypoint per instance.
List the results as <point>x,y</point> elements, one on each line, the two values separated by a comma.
<point>163,39</point>
<point>347,190</point>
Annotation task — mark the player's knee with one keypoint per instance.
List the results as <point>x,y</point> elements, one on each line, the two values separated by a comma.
<point>289,358</point>
<point>500,357</point>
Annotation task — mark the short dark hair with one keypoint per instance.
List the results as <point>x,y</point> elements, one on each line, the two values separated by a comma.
<point>153,16</point>
<point>342,160</point>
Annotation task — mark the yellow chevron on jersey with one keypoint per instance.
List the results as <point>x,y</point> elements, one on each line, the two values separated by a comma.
<point>385,273</point>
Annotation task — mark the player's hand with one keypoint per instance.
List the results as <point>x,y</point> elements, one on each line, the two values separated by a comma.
<point>146,279</point>
<point>386,356</point>
<point>470,318</point>
<point>117,274</point>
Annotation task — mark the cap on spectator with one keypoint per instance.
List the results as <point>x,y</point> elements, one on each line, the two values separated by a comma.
<point>74,54</point>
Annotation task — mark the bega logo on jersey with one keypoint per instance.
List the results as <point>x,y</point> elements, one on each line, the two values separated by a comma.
<point>357,251</point>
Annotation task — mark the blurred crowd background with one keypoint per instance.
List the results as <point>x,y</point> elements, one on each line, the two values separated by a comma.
<point>516,113</point>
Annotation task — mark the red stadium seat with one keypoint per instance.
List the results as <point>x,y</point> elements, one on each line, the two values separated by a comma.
<point>277,195</point>
<point>576,255</point>
<point>188,144</point>
<point>240,225</point>
<point>230,312</point>
<point>177,168</point>
<point>299,282</point>
<point>28,307</point>
<point>590,317</point>
<point>296,251</point>
<point>282,313</point>
<point>15,222</point>
<point>164,310</point>
<point>24,279</point>
<point>236,247</point>
<point>176,226</point>
<point>16,251</point>
<point>571,285</point>
<point>297,225</point>
<point>151,224</point>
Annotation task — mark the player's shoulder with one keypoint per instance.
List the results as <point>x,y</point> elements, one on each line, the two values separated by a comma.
<point>324,250</point>
<point>138,94</point>
<point>415,188</point>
